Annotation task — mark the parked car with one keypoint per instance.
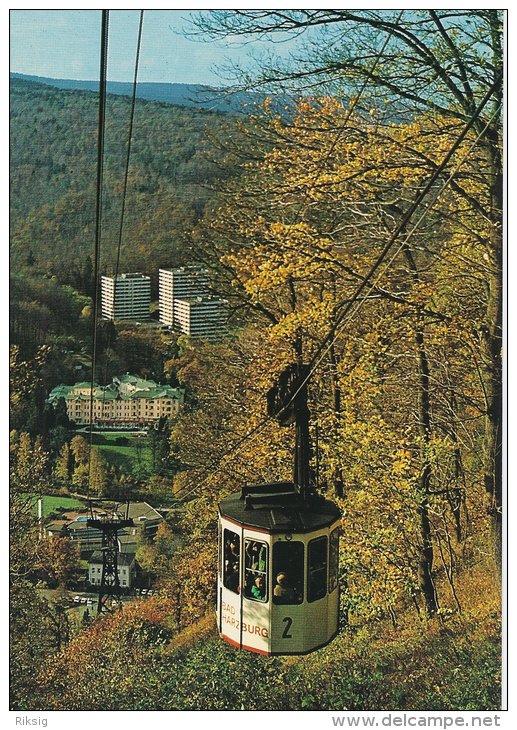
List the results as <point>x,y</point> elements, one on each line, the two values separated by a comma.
<point>144,591</point>
<point>84,599</point>
<point>77,599</point>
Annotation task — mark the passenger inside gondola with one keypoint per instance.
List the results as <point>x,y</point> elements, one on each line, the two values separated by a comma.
<point>231,578</point>
<point>232,581</point>
<point>258,589</point>
<point>234,550</point>
<point>284,592</point>
<point>288,567</point>
<point>256,556</point>
<point>255,564</point>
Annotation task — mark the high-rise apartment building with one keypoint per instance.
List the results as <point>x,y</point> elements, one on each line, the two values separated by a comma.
<point>187,281</point>
<point>129,299</point>
<point>203,317</point>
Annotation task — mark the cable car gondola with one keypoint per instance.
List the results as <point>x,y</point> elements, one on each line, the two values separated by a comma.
<point>278,556</point>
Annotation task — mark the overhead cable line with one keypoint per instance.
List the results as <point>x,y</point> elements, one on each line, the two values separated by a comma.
<point>230,452</point>
<point>109,526</point>
<point>124,187</point>
<point>129,143</point>
<point>99,200</point>
<point>98,217</point>
<point>343,320</point>
<point>403,224</point>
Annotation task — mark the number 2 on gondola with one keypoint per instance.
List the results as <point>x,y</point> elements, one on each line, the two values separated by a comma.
<point>288,623</point>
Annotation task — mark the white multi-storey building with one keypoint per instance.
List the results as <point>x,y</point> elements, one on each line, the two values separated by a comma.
<point>187,281</point>
<point>129,299</point>
<point>201,317</point>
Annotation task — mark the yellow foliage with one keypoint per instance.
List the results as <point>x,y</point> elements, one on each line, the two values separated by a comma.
<point>299,234</point>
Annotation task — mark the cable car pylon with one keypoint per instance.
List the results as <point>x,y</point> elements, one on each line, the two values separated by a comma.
<point>109,589</point>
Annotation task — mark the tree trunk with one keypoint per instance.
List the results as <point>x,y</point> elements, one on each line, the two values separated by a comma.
<point>491,345</point>
<point>491,339</point>
<point>425,562</point>
<point>455,494</point>
<point>426,557</point>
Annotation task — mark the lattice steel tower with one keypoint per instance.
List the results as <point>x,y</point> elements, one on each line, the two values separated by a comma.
<point>109,589</point>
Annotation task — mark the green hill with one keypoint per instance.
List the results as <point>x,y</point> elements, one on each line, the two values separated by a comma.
<point>190,95</point>
<point>53,175</point>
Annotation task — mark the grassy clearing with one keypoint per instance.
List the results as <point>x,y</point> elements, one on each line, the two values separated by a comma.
<point>133,457</point>
<point>53,503</point>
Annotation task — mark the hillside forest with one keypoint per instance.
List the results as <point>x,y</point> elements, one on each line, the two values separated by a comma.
<point>314,226</point>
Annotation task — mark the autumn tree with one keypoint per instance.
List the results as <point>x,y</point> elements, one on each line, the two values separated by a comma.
<point>29,615</point>
<point>297,235</point>
<point>62,467</point>
<point>156,557</point>
<point>57,558</point>
<point>98,472</point>
<point>124,644</point>
<point>438,62</point>
<point>26,392</point>
<point>80,449</point>
<point>28,465</point>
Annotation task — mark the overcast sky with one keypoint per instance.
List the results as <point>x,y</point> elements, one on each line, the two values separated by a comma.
<point>65,44</point>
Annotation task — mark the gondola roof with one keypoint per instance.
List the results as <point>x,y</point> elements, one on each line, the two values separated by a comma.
<point>279,507</point>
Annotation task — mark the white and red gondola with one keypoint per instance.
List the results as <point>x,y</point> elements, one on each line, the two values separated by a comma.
<point>278,590</point>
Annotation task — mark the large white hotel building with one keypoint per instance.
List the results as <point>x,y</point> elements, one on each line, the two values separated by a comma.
<point>128,401</point>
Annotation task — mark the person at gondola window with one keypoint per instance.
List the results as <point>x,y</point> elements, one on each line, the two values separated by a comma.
<point>258,589</point>
<point>256,556</point>
<point>288,567</point>
<point>284,592</point>
<point>232,581</point>
<point>255,567</point>
<point>234,550</point>
<point>231,566</point>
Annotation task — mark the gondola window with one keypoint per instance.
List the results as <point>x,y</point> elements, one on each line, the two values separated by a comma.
<point>232,561</point>
<point>317,569</point>
<point>288,572</point>
<point>255,568</point>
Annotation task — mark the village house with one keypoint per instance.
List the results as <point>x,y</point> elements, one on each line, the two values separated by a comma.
<point>126,569</point>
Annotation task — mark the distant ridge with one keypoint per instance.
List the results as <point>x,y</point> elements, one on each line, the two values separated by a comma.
<point>189,95</point>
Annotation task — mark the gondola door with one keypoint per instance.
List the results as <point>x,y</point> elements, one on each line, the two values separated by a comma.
<point>244,590</point>
<point>229,583</point>
<point>256,593</point>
